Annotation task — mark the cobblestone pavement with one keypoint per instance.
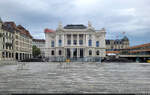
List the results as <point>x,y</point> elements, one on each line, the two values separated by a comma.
<point>75,78</point>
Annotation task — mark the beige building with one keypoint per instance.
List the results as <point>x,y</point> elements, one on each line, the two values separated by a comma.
<point>7,45</point>
<point>118,44</point>
<point>1,40</point>
<point>23,43</point>
<point>75,42</point>
<point>16,42</point>
<point>39,43</point>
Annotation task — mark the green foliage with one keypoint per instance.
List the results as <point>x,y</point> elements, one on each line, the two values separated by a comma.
<point>35,51</point>
<point>1,35</point>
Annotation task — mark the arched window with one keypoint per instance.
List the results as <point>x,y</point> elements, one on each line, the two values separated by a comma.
<point>97,52</point>
<point>52,44</point>
<point>97,43</point>
<point>90,52</point>
<point>59,52</point>
<point>90,42</point>
<point>52,52</point>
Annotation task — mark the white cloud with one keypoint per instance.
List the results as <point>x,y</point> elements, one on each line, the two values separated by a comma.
<point>116,16</point>
<point>129,11</point>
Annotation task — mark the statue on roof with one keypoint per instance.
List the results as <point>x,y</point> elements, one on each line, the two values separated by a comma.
<point>89,24</point>
<point>60,25</point>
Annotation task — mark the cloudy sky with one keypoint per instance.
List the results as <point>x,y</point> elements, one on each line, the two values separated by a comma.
<point>116,16</point>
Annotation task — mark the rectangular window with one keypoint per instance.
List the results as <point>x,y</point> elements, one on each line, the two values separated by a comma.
<point>97,43</point>
<point>52,44</point>
<point>74,42</point>
<point>60,42</point>
<point>69,42</point>
<point>81,42</point>
<point>90,42</point>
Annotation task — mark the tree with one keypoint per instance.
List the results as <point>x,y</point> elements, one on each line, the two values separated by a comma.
<point>1,35</point>
<point>35,51</point>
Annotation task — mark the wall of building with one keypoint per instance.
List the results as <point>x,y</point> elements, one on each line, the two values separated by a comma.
<point>15,45</point>
<point>1,37</point>
<point>88,33</point>
<point>40,43</point>
<point>118,44</point>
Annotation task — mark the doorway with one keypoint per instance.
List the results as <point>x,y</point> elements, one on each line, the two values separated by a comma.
<point>68,53</point>
<point>81,52</point>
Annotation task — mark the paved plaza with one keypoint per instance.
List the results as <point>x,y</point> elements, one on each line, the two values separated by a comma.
<point>75,78</point>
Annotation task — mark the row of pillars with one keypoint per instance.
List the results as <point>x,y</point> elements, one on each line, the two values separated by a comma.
<point>72,39</point>
<point>73,50</point>
<point>22,56</point>
<point>15,56</point>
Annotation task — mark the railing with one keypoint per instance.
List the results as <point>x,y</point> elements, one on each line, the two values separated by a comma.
<point>74,59</point>
<point>134,55</point>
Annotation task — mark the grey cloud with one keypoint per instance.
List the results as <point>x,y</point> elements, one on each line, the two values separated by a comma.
<point>116,16</point>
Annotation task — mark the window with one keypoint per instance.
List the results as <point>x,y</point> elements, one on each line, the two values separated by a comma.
<point>90,52</point>
<point>97,52</point>
<point>59,52</point>
<point>3,54</point>
<point>60,42</point>
<point>52,52</point>
<point>74,42</point>
<point>90,42</point>
<point>59,36</point>
<point>52,44</point>
<point>81,42</point>
<point>90,36</point>
<point>97,43</point>
<point>69,42</point>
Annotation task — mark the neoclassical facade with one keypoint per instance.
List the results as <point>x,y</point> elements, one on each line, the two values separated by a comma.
<point>75,41</point>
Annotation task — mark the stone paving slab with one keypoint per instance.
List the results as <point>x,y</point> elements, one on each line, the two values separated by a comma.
<point>75,78</point>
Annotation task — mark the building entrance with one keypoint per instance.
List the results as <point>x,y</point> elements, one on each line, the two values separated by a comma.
<point>81,53</point>
<point>68,53</point>
<point>74,52</point>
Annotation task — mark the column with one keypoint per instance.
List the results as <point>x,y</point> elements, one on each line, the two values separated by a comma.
<point>71,39</point>
<point>84,40</point>
<point>4,55</point>
<point>63,40</point>
<point>18,56</point>
<point>78,52</point>
<point>66,39</point>
<point>64,52</point>
<point>56,41</point>
<point>77,39</point>
<point>71,52</point>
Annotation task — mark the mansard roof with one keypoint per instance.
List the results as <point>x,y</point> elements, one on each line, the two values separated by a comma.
<point>73,26</point>
<point>125,38</point>
<point>9,26</point>
<point>24,31</point>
